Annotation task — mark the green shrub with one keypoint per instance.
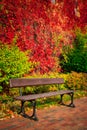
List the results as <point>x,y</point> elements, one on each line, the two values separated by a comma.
<point>13,64</point>
<point>75,59</point>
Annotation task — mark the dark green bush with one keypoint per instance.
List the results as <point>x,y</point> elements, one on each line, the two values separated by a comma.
<point>13,64</point>
<point>75,59</point>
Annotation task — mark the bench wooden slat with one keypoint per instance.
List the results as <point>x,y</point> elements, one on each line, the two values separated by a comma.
<point>42,95</point>
<point>23,82</point>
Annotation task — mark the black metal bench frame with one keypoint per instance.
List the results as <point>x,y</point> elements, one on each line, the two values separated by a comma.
<point>24,82</point>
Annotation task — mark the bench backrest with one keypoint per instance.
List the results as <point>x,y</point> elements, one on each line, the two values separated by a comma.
<point>23,82</point>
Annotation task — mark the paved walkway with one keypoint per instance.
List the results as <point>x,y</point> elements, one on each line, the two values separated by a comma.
<point>54,118</point>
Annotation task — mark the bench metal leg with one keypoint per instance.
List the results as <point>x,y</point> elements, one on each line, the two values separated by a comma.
<point>34,117</point>
<point>22,108</point>
<point>71,96</point>
<point>22,111</point>
<point>71,104</point>
<point>61,100</point>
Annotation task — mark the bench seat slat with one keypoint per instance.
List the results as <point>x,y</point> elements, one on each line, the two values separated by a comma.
<point>42,95</point>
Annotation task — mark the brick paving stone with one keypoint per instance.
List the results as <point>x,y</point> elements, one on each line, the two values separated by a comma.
<point>53,118</point>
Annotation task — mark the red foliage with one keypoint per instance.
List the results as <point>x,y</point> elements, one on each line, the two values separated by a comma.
<point>28,21</point>
<point>33,23</point>
<point>83,13</point>
<point>76,12</point>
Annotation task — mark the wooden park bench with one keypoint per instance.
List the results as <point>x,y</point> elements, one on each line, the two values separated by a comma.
<point>35,82</point>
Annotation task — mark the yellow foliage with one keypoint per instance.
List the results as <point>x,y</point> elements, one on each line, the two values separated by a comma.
<point>77,81</point>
